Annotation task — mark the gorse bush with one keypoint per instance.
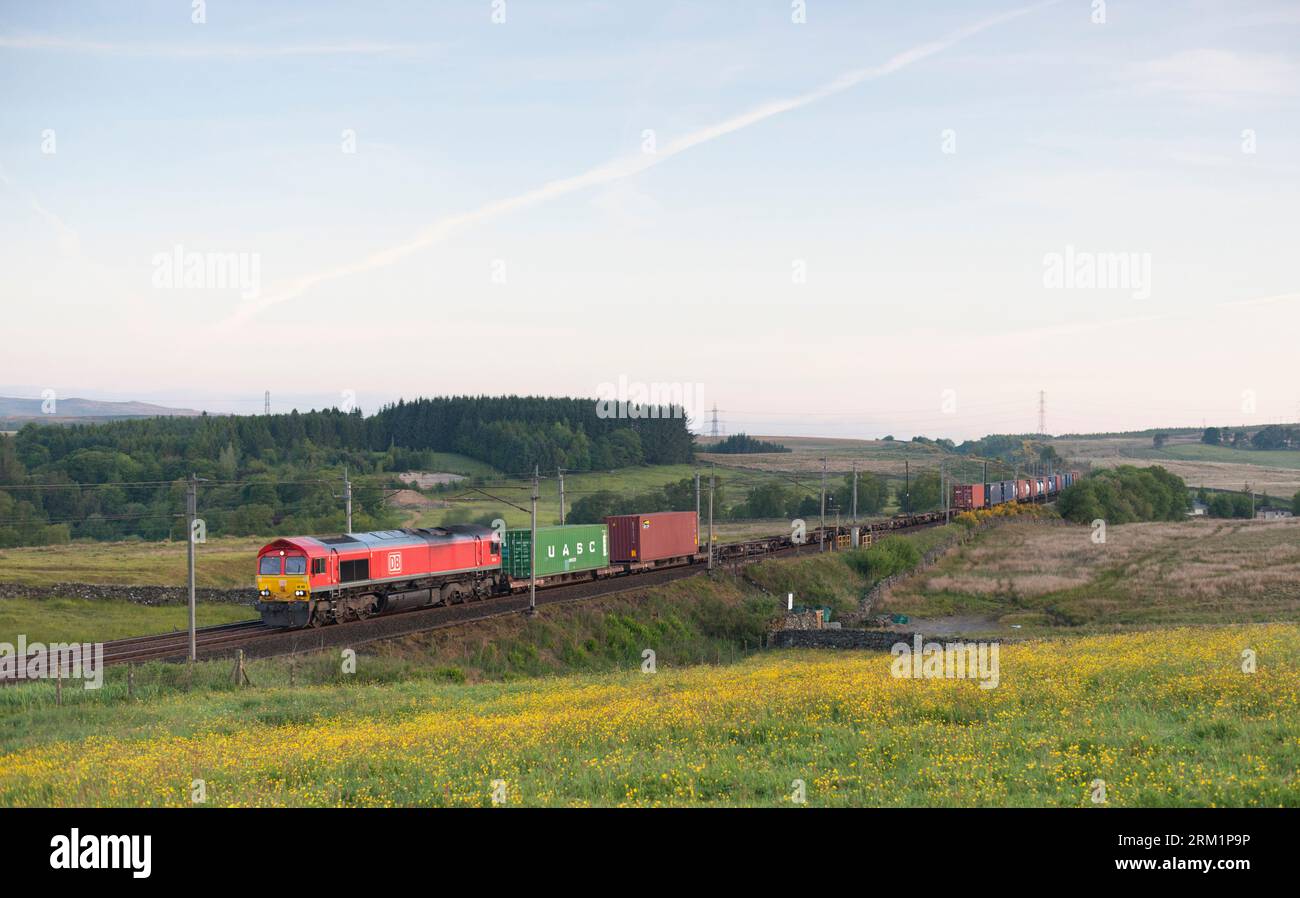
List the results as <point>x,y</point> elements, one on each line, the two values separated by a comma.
<point>976,517</point>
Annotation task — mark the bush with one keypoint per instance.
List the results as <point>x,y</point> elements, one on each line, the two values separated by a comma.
<point>891,555</point>
<point>1125,494</point>
<point>1231,505</point>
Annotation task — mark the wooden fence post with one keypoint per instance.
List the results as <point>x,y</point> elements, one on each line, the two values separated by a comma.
<point>240,676</point>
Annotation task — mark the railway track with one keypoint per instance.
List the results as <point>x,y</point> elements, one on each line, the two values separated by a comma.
<point>168,645</point>
<point>257,640</point>
<point>160,646</point>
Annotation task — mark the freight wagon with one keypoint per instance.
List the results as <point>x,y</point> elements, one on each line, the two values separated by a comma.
<point>560,551</point>
<point>1001,491</point>
<point>653,538</point>
<point>966,496</point>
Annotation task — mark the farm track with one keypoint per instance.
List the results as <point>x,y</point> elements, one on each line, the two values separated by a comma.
<point>257,640</point>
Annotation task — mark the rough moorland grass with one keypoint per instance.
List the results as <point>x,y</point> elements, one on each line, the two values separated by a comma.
<point>1054,578</point>
<point>1164,718</point>
<point>1278,458</point>
<point>821,580</point>
<point>83,620</point>
<point>891,458</point>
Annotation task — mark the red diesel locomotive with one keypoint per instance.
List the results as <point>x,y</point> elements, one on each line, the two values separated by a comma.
<point>318,580</point>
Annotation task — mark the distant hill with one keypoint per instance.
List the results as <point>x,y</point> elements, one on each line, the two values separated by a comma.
<point>15,411</point>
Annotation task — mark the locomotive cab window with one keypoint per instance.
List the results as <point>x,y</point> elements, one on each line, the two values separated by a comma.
<point>295,564</point>
<point>270,564</point>
<point>318,565</point>
<point>494,548</point>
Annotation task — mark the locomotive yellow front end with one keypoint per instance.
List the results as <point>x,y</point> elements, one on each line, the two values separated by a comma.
<point>283,586</point>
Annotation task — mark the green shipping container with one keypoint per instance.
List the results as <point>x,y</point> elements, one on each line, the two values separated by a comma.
<point>560,550</point>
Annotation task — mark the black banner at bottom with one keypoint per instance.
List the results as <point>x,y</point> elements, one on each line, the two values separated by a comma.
<point>143,848</point>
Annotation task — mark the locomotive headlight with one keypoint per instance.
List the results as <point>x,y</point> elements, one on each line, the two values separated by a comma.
<point>299,592</point>
<point>266,592</point>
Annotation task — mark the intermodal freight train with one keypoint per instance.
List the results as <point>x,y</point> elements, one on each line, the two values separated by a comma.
<point>314,580</point>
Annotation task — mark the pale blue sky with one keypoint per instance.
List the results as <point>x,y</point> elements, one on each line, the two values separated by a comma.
<point>924,268</point>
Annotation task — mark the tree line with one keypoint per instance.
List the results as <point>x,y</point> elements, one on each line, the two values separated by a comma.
<point>740,443</point>
<point>273,474</point>
<point>1272,437</point>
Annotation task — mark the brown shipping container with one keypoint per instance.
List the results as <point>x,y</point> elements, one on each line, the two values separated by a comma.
<point>968,495</point>
<point>652,537</point>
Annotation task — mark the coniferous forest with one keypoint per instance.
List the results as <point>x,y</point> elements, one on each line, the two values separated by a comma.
<point>279,473</point>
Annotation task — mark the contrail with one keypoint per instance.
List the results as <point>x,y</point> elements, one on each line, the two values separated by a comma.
<point>618,169</point>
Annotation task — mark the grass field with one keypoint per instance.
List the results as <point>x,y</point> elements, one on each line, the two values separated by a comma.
<point>1219,467</point>
<point>83,620</point>
<point>451,463</point>
<point>890,458</point>
<point>1164,718</point>
<point>1055,579</point>
<point>1201,452</point>
<point>1184,448</point>
<point>221,562</point>
<point>1280,483</point>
